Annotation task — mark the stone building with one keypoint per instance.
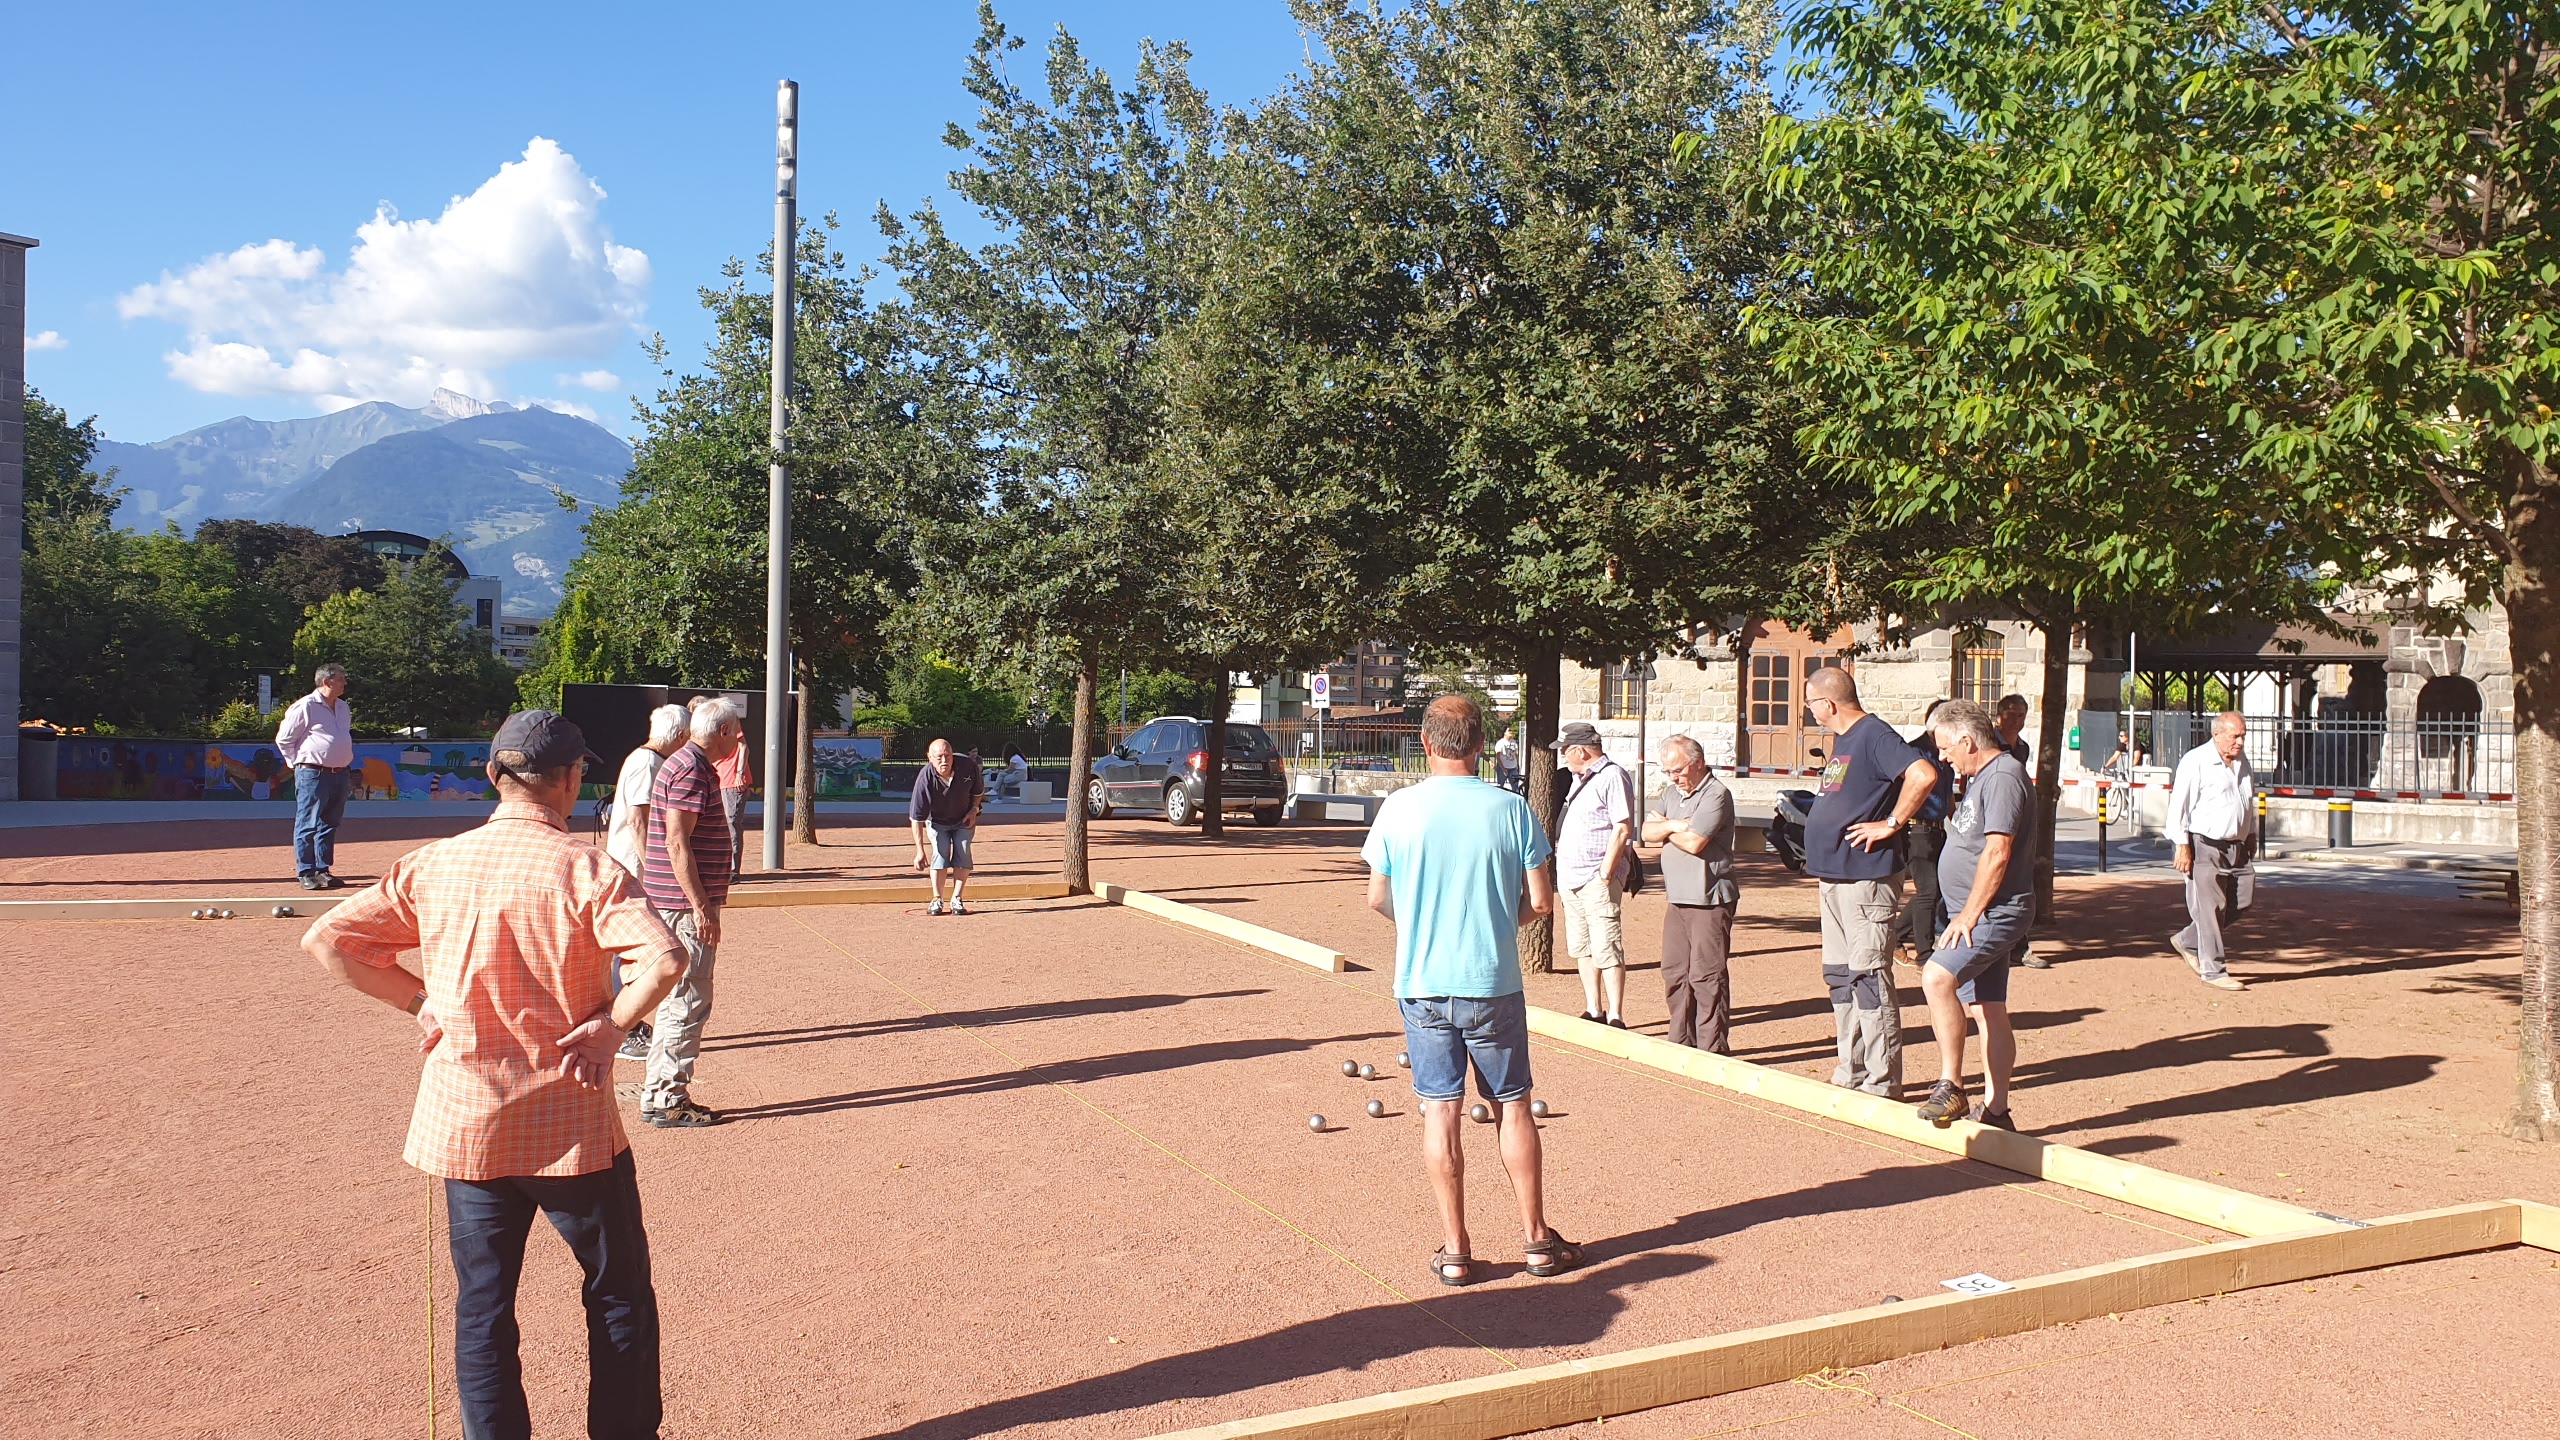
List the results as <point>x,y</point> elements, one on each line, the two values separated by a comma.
<point>1741,696</point>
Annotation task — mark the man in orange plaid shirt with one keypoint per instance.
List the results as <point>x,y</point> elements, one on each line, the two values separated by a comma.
<point>512,925</point>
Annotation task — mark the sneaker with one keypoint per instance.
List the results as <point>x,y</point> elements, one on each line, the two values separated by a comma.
<point>635,1045</point>
<point>312,882</point>
<point>935,908</point>
<point>2034,961</point>
<point>2194,961</point>
<point>682,1115</point>
<point>958,909</point>
<point>2224,982</point>
<point>1587,1015</point>
<point>331,882</point>
<point>1617,1022</point>
<point>1945,1103</point>
<point>1996,1119</point>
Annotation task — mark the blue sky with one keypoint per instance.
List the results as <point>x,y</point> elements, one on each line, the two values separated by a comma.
<point>180,140</point>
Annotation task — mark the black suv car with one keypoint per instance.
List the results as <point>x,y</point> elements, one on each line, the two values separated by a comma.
<point>1163,766</point>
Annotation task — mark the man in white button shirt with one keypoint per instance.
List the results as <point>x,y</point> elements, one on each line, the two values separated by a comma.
<point>318,739</point>
<point>2213,820</point>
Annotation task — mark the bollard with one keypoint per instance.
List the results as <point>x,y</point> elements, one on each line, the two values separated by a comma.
<point>2342,824</point>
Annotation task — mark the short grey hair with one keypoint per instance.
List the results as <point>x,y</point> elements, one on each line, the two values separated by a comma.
<point>1967,719</point>
<point>665,724</point>
<point>2232,718</point>
<point>714,712</point>
<point>326,673</point>
<point>1697,753</point>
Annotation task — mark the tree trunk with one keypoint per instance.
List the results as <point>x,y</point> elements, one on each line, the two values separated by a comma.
<point>804,766</point>
<point>1079,873</point>
<point>1541,698</point>
<point>2533,638</point>
<point>1213,783</point>
<point>2049,727</point>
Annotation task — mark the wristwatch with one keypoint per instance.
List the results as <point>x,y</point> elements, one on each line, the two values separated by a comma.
<point>417,1002</point>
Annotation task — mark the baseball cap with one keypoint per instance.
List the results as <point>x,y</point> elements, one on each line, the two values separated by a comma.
<point>547,740</point>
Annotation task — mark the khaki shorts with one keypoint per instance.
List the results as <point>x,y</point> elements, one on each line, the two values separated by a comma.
<point>1591,933</point>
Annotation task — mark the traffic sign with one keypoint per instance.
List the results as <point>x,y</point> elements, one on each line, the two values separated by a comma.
<point>1320,689</point>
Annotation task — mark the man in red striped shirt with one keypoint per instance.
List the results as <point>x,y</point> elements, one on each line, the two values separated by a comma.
<point>686,868</point>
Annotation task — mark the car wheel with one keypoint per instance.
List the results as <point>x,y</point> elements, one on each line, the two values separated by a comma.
<point>1177,805</point>
<point>1097,800</point>
<point>1267,816</point>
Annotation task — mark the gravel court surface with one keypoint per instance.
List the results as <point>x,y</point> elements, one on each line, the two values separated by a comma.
<point>257,1205</point>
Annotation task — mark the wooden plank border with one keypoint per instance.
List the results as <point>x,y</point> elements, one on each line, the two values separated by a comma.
<point>1576,1391</point>
<point>1287,947</point>
<point>2541,1224</point>
<point>2202,1201</point>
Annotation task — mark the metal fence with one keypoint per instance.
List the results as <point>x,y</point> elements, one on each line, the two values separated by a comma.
<point>2423,755</point>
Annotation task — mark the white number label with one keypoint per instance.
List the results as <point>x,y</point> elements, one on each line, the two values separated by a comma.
<point>1977,1283</point>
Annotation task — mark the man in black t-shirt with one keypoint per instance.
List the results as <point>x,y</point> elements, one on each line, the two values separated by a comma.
<point>1871,788</point>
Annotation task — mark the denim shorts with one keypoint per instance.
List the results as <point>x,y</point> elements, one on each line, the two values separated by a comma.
<point>951,845</point>
<point>1999,937</point>
<point>1446,1035</point>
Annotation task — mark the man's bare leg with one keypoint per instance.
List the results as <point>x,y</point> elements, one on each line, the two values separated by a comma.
<point>1446,1158</point>
<point>1946,1018</point>
<point>1591,1001</point>
<point>1613,982</point>
<point>1999,1053</point>
<point>959,878</point>
<point>1524,1156</point>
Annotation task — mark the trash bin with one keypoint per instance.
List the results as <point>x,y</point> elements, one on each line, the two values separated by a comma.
<point>37,755</point>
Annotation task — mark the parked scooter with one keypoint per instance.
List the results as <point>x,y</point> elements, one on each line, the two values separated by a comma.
<point>1786,827</point>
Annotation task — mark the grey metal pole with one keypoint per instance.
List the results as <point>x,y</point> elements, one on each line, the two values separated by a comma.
<point>777,565</point>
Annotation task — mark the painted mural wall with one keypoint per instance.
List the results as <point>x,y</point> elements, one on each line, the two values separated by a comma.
<point>103,768</point>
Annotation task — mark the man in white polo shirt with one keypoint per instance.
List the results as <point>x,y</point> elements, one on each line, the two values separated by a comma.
<point>318,739</point>
<point>2213,820</point>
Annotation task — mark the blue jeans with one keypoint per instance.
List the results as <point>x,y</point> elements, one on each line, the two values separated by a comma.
<point>319,803</point>
<point>1446,1035</point>
<point>599,1215</point>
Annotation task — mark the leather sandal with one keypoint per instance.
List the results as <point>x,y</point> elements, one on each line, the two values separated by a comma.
<point>1442,1262</point>
<point>1553,1255</point>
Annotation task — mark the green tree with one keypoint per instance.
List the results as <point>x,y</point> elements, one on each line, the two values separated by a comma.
<point>578,645</point>
<point>2271,273</point>
<point>303,565</point>
<point>1473,283</point>
<point>146,633</point>
<point>413,661</point>
<point>676,571</point>
<point>58,478</point>
<point>1052,330</point>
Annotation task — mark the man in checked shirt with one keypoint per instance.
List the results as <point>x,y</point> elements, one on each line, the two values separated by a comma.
<point>512,924</point>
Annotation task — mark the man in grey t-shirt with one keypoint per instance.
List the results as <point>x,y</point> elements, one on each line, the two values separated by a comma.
<point>1695,831</point>
<point>1988,880</point>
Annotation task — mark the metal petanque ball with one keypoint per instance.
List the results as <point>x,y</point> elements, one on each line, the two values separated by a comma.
<point>1480,1115</point>
<point>1368,1072</point>
<point>195,914</point>
<point>1538,1108</point>
<point>1316,1123</point>
<point>1350,1067</point>
<point>226,914</point>
<point>1377,1108</point>
<point>1404,1061</point>
<point>1893,1300</point>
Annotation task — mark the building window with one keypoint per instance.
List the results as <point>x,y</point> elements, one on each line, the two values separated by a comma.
<point>1978,673</point>
<point>1772,690</point>
<point>487,617</point>
<point>1621,691</point>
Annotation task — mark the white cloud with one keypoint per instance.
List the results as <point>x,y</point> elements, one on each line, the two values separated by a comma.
<point>47,340</point>
<point>521,269</point>
<point>591,379</point>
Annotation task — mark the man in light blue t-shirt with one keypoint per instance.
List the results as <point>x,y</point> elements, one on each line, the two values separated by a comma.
<point>1449,860</point>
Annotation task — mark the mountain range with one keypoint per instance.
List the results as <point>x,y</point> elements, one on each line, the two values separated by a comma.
<point>485,476</point>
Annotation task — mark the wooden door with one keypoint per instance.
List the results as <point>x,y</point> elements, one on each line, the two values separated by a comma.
<point>1778,732</point>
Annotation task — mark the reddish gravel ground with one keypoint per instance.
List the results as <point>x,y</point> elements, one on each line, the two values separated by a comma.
<point>1044,1170</point>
